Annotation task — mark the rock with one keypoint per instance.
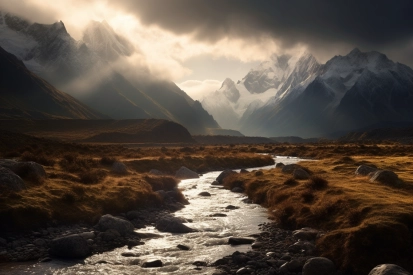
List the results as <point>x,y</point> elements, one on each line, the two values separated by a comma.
<point>364,170</point>
<point>237,190</point>
<point>318,266</point>
<point>173,225</point>
<point>205,194</point>
<point>289,168</point>
<point>109,235</point>
<point>256,245</point>
<point>302,247</point>
<point>239,240</point>
<point>247,201</point>
<point>130,254</point>
<point>40,242</point>
<point>306,234</point>
<point>279,165</point>
<point>386,177</point>
<point>224,174</point>
<point>156,172</point>
<point>215,183</point>
<point>245,270</point>
<point>135,262</point>
<point>30,169</point>
<point>119,168</point>
<point>243,171</point>
<point>161,193</point>
<point>109,222</point>
<point>183,247</point>
<point>388,269</point>
<point>185,173</point>
<point>259,173</point>
<point>200,263</point>
<point>72,246</point>
<point>232,207</point>
<point>218,215</point>
<point>10,180</point>
<point>300,174</point>
<point>152,263</point>
<point>87,235</point>
<point>292,266</point>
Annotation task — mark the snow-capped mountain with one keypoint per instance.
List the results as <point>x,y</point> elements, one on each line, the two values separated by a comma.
<point>84,70</point>
<point>346,93</point>
<point>269,82</point>
<point>103,40</point>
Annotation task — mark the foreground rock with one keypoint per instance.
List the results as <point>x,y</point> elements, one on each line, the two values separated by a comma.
<point>28,169</point>
<point>300,174</point>
<point>152,263</point>
<point>9,180</point>
<point>185,173</point>
<point>173,225</point>
<point>72,246</point>
<point>364,170</point>
<point>319,266</point>
<point>119,168</point>
<point>388,269</point>
<point>107,222</point>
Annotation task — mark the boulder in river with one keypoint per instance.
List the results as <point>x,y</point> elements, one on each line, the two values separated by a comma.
<point>72,246</point>
<point>319,266</point>
<point>109,222</point>
<point>173,225</point>
<point>185,173</point>
<point>289,168</point>
<point>388,269</point>
<point>237,189</point>
<point>224,174</point>
<point>240,240</point>
<point>152,263</point>
<point>205,194</point>
<point>11,181</point>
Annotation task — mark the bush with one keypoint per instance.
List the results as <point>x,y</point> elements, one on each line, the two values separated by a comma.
<point>108,160</point>
<point>92,176</point>
<point>316,183</point>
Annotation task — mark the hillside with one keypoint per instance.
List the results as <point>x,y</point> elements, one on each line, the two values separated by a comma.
<point>25,95</point>
<point>105,130</point>
<point>403,135</point>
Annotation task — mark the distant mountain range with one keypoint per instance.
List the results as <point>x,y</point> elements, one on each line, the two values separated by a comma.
<point>297,96</point>
<point>85,70</point>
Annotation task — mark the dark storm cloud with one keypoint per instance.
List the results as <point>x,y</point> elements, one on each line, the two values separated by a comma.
<point>358,22</point>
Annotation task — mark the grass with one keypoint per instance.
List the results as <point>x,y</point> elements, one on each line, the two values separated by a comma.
<point>81,186</point>
<point>366,223</point>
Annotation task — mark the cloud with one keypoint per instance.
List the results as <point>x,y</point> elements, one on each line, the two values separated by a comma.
<point>198,89</point>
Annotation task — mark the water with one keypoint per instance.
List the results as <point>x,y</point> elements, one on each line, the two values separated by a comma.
<point>208,245</point>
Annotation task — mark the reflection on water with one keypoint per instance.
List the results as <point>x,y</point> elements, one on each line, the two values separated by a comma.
<point>207,245</point>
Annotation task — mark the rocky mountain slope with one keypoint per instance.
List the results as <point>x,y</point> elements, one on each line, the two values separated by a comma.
<point>25,95</point>
<point>85,70</point>
<point>311,100</point>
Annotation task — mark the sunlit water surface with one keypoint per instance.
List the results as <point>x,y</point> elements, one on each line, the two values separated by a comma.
<point>207,245</point>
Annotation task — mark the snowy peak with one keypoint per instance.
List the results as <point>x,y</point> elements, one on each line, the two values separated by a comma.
<point>101,37</point>
<point>230,91</point>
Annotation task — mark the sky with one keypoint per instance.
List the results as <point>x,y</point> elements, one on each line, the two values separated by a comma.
<point>199,43</point>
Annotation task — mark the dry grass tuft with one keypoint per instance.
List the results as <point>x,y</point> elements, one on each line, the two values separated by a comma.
<point>316,183</point>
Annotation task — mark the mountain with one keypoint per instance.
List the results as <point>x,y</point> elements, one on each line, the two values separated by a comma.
<point>271,81</point>
<point>25,95</point>
<point>85,69</point>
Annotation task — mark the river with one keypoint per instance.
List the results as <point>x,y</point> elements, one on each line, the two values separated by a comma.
<point>207,245</point>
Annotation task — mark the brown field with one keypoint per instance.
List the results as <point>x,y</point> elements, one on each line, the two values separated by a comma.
<point>80,186</point>
<point>365,223</point>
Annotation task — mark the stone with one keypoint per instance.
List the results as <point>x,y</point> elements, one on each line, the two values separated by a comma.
<point>135,262</point>
<point>292,266</point>
<point>183,247</point>
<point>289,168</point>
<point>156,172</point>
<point>152,263</point>
<point>215,183</point>
<point>224,174</point>
<point>319,266</point>
<point>10,180</point>
<point>109,235</point>
<point>302,247</point>
<point>245,270</point>
<point>129,254</point>
<point>300,174</point>
<point>200,263</point>
<point>243,171</point>
<point>119,168</point>
<point>305,234</point>
<point>257,245</point>
<point>185,173</point>
<point>205,194</point>
<point>231,207</point>
<point>218,215</point>
<point>279,165</point>
<point>364,170</point>
<point>72,246</point>
<point>109,222</point>
<point>239,240</point>
<point>31,169</point>
<point>173,225</point>
<point>87,235</point>
<point>388,269</point>
<point>386,177</point>
<point>237,190</point>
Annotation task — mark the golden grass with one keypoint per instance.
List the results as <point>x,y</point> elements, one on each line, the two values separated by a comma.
<point>366,223</point>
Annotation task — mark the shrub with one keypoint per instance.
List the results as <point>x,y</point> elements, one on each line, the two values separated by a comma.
<point>316,183</point>
<point>92,176</point>
<point>290,182</point>
<point>107,160</point>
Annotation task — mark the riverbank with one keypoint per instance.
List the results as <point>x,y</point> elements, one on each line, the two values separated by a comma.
<point>367,219</point>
